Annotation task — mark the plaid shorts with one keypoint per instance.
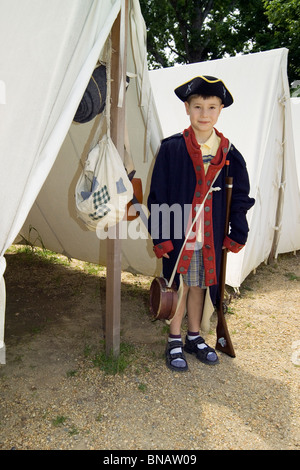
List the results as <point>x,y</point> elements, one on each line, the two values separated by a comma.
<point>195,275</point>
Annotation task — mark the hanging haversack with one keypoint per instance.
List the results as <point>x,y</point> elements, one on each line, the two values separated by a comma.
<point>103,189</point>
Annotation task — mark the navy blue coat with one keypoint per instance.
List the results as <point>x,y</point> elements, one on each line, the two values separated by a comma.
<point>179,181</point>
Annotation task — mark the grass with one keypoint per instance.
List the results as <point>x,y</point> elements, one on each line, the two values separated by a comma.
<point>59,420</point>
<point>142,387</point>
<point>71,373</point>
<point>73,431</point>
<point>34,258</point>
<point>35,255</point>
<point>292,277</point>
<point>111,364</point>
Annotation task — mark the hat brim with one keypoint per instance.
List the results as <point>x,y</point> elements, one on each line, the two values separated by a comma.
<point>94,98</point>
<point>205,85</point>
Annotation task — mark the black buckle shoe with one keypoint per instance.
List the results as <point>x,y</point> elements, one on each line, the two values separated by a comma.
<point>191,347</point>
<point>178,355</point>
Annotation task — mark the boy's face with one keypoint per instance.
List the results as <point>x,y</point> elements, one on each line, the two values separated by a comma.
<point>204,113</point>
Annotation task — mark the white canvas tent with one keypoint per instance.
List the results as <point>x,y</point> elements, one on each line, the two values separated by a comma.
<point>41,151</point>
<point>47,54</point>
<point>259,124</point>
<point>295,107</point>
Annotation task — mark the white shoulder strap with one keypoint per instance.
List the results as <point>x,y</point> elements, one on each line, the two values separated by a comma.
<point>211,189</point>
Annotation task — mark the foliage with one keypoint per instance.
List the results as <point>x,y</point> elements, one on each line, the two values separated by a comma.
<point>284,15</point>
<point>188,31</point>
<point>112,364</point>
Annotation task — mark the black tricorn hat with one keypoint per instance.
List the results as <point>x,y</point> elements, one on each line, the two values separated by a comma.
<point>205,85</point>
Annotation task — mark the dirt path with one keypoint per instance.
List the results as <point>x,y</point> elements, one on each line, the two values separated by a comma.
<point>55,393</point>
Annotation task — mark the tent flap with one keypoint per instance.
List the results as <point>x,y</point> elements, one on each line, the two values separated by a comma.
<point>52,51</point>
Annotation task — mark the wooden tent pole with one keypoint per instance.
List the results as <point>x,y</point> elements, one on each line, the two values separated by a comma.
<point>113,279</point>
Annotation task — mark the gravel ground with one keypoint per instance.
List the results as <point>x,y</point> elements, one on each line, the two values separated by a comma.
<point>56,395</point>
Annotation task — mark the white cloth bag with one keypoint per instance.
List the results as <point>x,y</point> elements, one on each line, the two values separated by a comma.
<point>103,189</point>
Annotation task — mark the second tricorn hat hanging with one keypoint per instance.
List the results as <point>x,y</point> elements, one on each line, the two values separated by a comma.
<point>93,100</point>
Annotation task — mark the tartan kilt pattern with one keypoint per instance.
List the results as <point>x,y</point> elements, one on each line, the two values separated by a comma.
<point>195,275</point>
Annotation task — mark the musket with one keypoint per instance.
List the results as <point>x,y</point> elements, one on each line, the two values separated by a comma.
<point>224,343</point>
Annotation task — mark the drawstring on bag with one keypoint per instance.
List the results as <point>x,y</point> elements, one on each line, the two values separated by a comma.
<point>103,189</point>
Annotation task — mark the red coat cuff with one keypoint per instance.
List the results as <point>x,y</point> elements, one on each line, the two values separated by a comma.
<point>231,245</point>
<point>163,248</point>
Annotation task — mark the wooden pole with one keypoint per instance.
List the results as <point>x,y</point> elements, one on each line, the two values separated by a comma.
<point>113,279</point>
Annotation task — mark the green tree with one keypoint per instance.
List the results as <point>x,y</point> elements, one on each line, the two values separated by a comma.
<point>284,18</point>
<point>187,31</point>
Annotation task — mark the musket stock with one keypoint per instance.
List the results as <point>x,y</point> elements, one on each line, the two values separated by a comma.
<point>224,343</point>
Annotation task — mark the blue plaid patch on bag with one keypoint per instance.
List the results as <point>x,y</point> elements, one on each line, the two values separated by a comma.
<point>100,199</point>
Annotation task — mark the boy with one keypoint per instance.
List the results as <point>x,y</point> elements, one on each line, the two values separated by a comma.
<point>184,170</point>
